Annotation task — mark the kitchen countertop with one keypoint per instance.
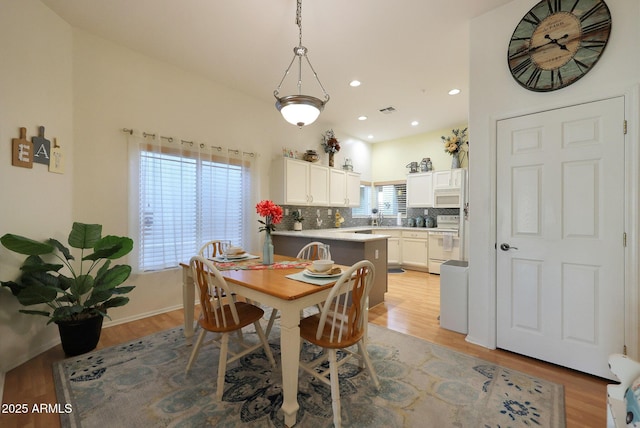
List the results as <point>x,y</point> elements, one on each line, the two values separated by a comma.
<point>351,233</point>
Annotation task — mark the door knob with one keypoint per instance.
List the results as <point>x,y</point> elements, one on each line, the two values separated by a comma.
<point>507,247</point>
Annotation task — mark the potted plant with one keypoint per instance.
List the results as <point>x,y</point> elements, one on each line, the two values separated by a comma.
<point>79,295</point>
<point>297,219</point>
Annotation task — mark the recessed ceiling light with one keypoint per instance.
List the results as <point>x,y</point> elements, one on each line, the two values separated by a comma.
<point>415,123</point>
<point>354,83</point>
<point>370,136</point>
<point>362,117</point>
<point>454,92</point>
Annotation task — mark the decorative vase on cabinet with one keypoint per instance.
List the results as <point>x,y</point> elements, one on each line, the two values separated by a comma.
<point>455,161</point>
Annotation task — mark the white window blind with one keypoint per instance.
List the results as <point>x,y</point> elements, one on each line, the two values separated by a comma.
<point>186,199</point>
<point>365,202</point>
<point>392,199</point>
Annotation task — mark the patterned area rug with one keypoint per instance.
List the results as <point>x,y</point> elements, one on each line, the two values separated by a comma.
<point>143,384</point>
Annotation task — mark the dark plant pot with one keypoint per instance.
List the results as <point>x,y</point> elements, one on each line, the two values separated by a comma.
<point>82,336</point>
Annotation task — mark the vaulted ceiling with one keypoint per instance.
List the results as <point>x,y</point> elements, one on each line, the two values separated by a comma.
<point>407,53</point>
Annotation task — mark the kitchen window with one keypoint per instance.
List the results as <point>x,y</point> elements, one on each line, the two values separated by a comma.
<point>391,199</point>
<point>366,202</point>
<point>188,197</point>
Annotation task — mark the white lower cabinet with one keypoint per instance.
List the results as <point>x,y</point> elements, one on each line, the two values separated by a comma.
<point>394,249</point>
<point>415,249</point>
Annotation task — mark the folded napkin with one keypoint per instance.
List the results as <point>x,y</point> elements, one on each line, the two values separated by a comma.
<point>235,251</point>
<point>333,271</point>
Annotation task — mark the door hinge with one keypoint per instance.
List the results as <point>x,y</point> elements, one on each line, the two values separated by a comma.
<point>624,126</point>
<point>624,239</point>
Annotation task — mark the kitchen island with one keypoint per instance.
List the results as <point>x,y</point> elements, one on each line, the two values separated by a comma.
<point>348,246</point>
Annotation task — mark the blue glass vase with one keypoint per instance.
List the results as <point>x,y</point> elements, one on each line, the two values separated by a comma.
<point>267,249</point>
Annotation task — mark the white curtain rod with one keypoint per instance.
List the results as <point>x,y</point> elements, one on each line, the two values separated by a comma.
<point>130,131</point>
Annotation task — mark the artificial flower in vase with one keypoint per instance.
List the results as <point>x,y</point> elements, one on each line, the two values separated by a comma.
<point>330,144</point>
<point>272,214</point>
<point>454,145</point>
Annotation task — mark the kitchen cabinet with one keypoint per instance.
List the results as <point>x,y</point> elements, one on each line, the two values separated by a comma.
<point>394,249</point>
<point>415,249</point>
<point>344,188</point>
<point>447,178</point>
<point>297,182</point>
<point>420,190</point>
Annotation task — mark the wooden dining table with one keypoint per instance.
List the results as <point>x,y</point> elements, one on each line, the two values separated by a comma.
<point>270,286</point>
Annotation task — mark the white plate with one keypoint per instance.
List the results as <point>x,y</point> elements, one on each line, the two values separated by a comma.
<point>236,257</point>
<point>320,275</point>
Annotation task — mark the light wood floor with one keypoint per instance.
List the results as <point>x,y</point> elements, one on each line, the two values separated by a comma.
<point>411,306</point>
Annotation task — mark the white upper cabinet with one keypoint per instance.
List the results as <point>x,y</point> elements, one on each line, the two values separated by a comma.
<point>297,182</point>
<point>420,190</point>
<point>344,188</point>
<point>448,178</point>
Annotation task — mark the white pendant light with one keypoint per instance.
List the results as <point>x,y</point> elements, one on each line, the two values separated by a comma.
<point>300,110</point>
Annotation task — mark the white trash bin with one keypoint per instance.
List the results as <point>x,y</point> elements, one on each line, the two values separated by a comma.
<point>454,279</point>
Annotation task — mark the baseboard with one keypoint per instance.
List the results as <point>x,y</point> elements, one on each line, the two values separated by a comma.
<point>109,323</point>
<point>10,364</point>
<point>7,366</point>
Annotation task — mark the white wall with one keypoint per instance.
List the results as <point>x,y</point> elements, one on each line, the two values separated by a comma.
<point>84,90</point>
<point>495,95</point>
<point>390,158</point>
<point>35,83</point>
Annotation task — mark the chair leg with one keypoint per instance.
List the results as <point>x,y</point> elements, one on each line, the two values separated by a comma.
<point>196,349</point>
<point>265,343</point>
<point>222,365</point>
<point>272,318</point>
<point>362,350</point>
<point>335,388</point>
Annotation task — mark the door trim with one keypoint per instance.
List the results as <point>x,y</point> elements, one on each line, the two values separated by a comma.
<point>631,214</point>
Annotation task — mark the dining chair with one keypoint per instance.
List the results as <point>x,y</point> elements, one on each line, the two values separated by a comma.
<point>224,316</point>
<point>312,251</point>
<point>341,324</point>
<point>211,249</point>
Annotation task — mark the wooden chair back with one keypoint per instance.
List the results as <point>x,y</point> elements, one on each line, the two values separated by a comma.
<point>314,251</point>
<point>217,311</point>
<point>211,249</point>
<point>342,320</point>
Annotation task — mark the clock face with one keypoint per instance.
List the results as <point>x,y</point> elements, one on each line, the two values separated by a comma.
<point>557,42</point>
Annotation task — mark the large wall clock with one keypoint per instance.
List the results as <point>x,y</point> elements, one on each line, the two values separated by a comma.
<point>557,42</point>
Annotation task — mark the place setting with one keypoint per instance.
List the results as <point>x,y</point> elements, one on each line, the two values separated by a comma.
<point>231,253</point>
<point>320,272</point>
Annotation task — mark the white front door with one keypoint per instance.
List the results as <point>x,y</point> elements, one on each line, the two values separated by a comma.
<point>560,226</point>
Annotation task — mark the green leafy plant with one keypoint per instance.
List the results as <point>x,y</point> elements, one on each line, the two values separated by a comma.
<point>297,216</point>
<point>90,286</point>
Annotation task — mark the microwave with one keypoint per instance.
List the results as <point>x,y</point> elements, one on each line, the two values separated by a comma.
<point>447,197</point>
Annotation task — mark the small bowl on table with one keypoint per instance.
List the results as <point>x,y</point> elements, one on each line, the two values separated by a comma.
<point>321,266</point>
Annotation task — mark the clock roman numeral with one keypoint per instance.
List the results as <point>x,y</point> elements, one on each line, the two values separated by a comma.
<point>594,45</point>
<point>591,11</point>
<point>533,80</point>
<point>581,65</point>
<point>574,6</point>
<point>531,18</point>
<point>596,26</point>
<point>522,67</point>
<point>554,6</point>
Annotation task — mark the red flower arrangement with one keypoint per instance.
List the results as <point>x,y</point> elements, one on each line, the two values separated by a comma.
<point>330,142</point>
<point>272,214</point>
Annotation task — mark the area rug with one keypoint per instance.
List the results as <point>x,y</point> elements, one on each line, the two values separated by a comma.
<point>395,270</point>
<point>143,384</point>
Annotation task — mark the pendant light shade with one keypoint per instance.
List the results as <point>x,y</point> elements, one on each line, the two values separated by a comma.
<point>300,110</point>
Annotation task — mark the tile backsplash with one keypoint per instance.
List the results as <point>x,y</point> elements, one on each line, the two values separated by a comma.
<point>319,217</point>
